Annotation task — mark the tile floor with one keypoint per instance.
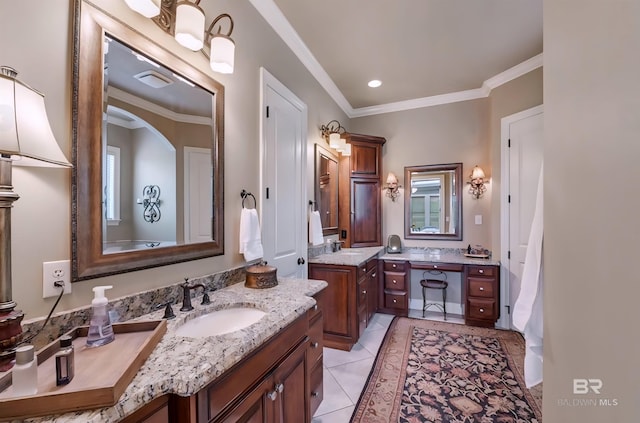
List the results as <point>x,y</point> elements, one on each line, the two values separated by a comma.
<point>345,373</point>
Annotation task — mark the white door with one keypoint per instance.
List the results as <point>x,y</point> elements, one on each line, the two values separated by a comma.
<point>197,194</point>
<point>521,163</point>
<point>283,193</point>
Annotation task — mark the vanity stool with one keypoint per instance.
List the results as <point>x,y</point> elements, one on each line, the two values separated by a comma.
<point>428,282</point>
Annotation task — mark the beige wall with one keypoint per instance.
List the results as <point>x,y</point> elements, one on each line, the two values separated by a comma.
<point>591,153</point>
<point>36,39</point>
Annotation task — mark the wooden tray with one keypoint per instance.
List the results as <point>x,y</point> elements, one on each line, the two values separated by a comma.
<point>101,374</point>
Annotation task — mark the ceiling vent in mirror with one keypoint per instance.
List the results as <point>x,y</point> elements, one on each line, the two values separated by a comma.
<point>153,79</point>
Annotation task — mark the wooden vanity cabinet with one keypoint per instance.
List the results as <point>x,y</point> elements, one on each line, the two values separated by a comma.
<point>395,283</point>
<point>271,385</point>
<point>314,355</point>
<point>156,411</point>
<point>346,302</point>
<point>359,204</point>
<point>482,295</point>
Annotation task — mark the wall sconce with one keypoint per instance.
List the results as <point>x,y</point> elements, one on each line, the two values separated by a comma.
<point>26,139</point>
<point>393,188</point>
<point>476,183</point>
<point>332,133</point>
<point>185,20</point>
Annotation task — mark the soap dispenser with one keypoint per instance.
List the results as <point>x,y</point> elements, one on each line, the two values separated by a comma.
<point>100,330</point>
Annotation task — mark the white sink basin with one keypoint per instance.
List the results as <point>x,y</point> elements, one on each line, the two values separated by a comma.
<point>220,322</point>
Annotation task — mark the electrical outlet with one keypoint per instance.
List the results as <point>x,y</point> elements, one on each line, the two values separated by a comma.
<point>53,271</point>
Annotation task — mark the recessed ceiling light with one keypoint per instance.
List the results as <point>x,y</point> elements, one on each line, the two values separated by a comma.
<point>374,83</point>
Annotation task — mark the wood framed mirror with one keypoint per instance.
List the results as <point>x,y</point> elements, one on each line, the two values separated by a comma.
<point>326,189</point>
<point>433,202</point>
<point>148,137</point>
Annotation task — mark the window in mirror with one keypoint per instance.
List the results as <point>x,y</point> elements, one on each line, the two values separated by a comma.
<point>326,189</point>
<point>433,203</point>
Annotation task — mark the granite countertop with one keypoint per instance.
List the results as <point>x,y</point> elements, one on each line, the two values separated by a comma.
<point>183,366</point>
<point>435,256</point>
<point>348,256</point>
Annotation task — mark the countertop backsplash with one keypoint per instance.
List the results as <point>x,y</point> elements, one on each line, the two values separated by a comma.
<point>127,307</point>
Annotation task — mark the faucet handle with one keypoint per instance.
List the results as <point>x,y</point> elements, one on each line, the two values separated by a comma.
<point>205,299</point>
<point>168,311</point>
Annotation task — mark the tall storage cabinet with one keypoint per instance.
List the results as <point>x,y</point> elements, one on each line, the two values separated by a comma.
<point>360,192</point>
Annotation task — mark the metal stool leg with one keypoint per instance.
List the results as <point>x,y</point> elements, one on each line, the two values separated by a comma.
<point>444,303</point>
<point>424,301</point>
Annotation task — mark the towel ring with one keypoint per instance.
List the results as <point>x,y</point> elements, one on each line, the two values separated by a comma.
<point>244,194</point>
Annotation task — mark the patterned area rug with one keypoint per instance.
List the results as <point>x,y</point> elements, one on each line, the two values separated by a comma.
<point>430,371</point>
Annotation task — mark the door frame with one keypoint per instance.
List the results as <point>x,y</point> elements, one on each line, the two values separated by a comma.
<point>505,318</point>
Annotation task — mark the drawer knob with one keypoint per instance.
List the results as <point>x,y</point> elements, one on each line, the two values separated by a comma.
<point>394,281</point>
<point>435,266</point>
<point>482,310</point>
<point>315,307</point>
<point>314,345</point>
<point>480,271</point>
<point>395,301</point>
<point>482,288</point>
<point>364,292</point>
<point>272,395</point>
<point>393,265</point>
<point>373,275</point>
<point>315,394</point>
<point>279,387</point>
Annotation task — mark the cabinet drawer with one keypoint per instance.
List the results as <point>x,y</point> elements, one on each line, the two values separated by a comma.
<point>315,340</point>
<point>393,280</point>
<point>481,309</point>
<point>395,266</point>
<point>488,271</point>
<point>316,385</point>
<point>395,300</point>
<point>362,293</point>
<point>481,287</point>
<point>372,264</point>
<point>362,271</point>
<point>445,267</point>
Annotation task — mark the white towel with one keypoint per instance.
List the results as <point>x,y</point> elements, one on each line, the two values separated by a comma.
<point>527,311</point>
<point>250,239</point>
<point>315,228</point>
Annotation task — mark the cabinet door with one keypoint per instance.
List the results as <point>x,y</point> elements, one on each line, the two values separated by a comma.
<point>338,299</point>
<point>372,292</point>
<point>365,213</point>
<point>365,160</point>
<point>256,407</point>
<point>290,386</point>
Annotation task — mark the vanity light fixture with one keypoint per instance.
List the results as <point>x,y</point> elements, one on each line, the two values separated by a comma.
<point>333,133</point>
<point>26,139</point>
<point>185,20</point>
<point>393,187</point>
<point>476,183</point>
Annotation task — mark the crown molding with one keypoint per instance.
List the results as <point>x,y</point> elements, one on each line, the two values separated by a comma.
<point>274,17</point>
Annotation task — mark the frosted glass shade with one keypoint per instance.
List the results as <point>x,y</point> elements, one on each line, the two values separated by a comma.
<point>477,173</point>
<point>25,134</point>
<point>346,151</point>
<point>334,140</point>
<point>392,178</point>
<point>147,8</point>
<point>222,54</point>
<point>189,30</point>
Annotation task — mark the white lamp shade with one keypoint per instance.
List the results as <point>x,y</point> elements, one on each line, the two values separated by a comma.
<point>477,173</point>
<point>334,140</point>
<point>222,54</point>
<point>189,31</point>
<point>25,134</point>
<point>147,8</point>
<point>392,178</point>
<point>346,151</point>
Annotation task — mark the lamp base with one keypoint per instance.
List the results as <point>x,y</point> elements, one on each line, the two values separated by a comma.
<point>10,335</point>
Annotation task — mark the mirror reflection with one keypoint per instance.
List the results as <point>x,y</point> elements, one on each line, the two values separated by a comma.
<point>326,192</point>
<point>433,202</point>
<point>154,121</point>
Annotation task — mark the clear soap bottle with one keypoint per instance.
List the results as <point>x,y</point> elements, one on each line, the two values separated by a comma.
<point>24,375</point>
<point>100,330</point>
<point>64,361</point>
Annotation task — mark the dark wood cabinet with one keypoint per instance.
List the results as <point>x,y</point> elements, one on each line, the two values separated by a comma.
<point>314,390</point>
<point>395,284</point>
<point>347,301</point>
<point>156,411</point>
<point>482,295</point>
<point>360,212</point>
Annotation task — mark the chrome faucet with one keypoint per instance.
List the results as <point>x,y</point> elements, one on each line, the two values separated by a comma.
<point>186,295</point>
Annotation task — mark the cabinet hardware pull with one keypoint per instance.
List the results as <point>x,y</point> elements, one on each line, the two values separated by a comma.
<point>481,288</point>
<point>315,307</point>
<point>394,266</point>
<point>364,292</point>
<point>279,387</point>
<point>435,266</point>
<point>395,301</point>
<point>394,281</point>
<point>314,394</point>
<point>373,275</point>
<point>482,310</point>
<point>272,395</point>
<point>480,271</point>
<point>314,345</point>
